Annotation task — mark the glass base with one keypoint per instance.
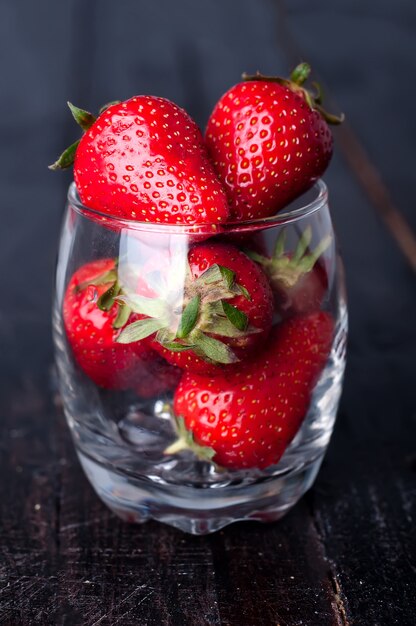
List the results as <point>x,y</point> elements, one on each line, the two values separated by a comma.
<point>199,510</point>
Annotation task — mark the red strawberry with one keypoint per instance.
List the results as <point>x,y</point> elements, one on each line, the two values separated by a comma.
<point>269,141</point>
<point>253,241</point>
<point>299,280</point>
<point>248,417</point>
<point>144,159</point>
<point>93,331</point>
<point>157,378</point>
<point>307,294</point>
<point>212,310</point>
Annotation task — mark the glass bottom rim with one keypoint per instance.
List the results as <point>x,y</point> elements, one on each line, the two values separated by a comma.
<point>195,510</point>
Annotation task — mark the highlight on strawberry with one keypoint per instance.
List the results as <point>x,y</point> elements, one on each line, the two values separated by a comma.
<point>216,317</point>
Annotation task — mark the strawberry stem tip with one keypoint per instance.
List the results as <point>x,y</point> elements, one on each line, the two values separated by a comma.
<point>185,441</point>
<point>66,159</point>
<point>85,120</point>
<point>297,79</point>
<point>300,74</point>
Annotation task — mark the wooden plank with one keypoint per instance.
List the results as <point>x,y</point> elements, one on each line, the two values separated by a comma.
<point>112,571</point>
<point>274,574</point>
<point>30,473</point>
<point>375,572</point>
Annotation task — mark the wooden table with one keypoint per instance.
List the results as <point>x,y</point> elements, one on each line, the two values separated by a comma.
<point>346,553</point>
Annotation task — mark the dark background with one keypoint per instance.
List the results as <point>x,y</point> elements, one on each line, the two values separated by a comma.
<point>346,553</point>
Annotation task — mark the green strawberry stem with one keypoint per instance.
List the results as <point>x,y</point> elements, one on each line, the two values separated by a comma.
<point>124,312</point>
<point>189,318</point>
<point>303,245</point>
<point>111,295</point>
<point>106,300</point>
<point>101,279</point>
<point>279,248</point>
<point>139,330</point>
<point>297,78</point>
<point>285,269</point>
<point>330,118</point>
<point>185,441</point>
<point>318,97</point>
<point>211,349</point>
<point>66,159</point>
<point>300,74</point>
<point>177,446</point>
<point>85,120</point>
<point>186,320</point>
<point>108,105</point>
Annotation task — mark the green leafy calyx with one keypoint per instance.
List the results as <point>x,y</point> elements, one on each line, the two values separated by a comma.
<point>85,120</point>
<point>112,296</point>
<point>295,83</point>
<point>285,269</point>
<point>198,318</point>
<point>185,441</point>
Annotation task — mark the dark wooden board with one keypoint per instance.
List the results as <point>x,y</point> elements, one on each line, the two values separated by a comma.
<point>346,553</point>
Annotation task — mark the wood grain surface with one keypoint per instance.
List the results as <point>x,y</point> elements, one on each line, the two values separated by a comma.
<point>346,553</point>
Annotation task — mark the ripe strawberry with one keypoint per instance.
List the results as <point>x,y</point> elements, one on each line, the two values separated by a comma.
<point>157,378</point>
<point>269,141</point>
<point>213,309</point>
<point>248,417</point>
<point>254,241</point>
<point>144,159</point>
<point>93,322</point>
<point>299,280</point>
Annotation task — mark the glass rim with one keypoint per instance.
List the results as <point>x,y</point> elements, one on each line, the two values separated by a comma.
<point>286,216</point>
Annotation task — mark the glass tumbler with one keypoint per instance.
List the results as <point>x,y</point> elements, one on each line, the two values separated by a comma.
<point>200,368</point>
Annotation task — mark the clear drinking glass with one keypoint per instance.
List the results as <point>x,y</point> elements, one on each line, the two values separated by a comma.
<point>118,397</point>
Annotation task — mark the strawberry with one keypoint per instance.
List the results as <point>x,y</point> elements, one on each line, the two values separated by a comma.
<point>254,241</point>
<point>299,280</point>
<point>248,417</point>
<point>144,159</point>
<point>269,141</point>
<point>212,309</point>
<point>157,379</point>
<point>93,322</point>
